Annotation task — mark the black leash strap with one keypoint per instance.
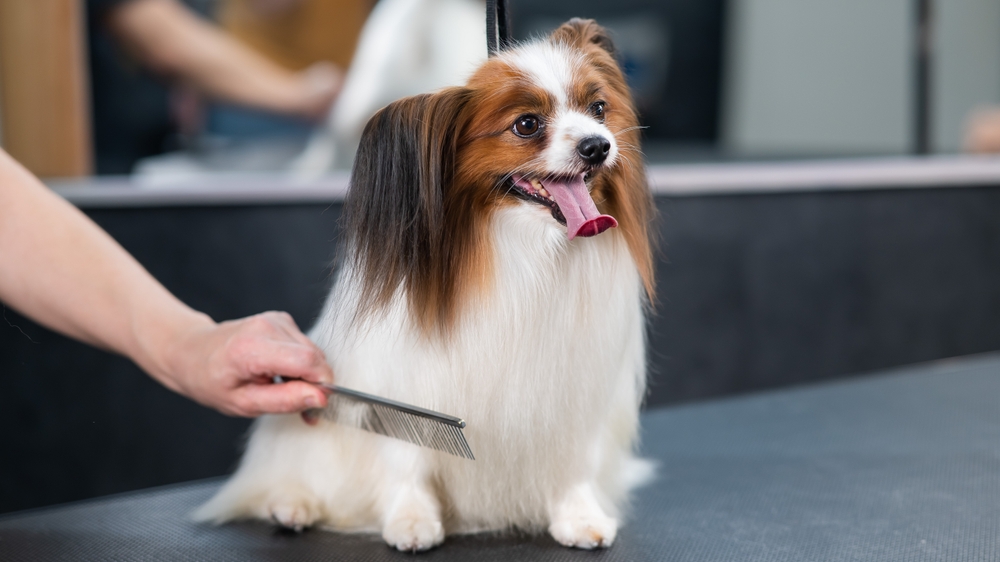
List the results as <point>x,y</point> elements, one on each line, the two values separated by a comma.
<point>923,64</point>
<point>497,26</point>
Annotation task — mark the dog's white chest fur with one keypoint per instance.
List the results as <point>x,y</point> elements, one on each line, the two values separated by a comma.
<point>546,367</point>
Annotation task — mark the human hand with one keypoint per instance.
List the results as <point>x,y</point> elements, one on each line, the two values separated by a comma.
<point>230,366</point>
<point>318,87</point>
<point>982,131</point>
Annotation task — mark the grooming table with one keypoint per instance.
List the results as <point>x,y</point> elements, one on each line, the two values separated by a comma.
<point>904,465</point>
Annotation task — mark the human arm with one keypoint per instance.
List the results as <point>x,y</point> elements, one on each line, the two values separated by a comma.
<point>170,39</point>
<point>62,270</point>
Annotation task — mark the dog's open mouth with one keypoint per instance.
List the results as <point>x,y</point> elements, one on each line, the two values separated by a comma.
<point>569,201</point>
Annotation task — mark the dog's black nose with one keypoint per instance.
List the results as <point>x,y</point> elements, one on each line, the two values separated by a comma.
<point>594,150</point>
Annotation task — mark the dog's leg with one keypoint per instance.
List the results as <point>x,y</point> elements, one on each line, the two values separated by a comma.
<point>412,513</point>
<point>577,520</point>
<point>413,522</point>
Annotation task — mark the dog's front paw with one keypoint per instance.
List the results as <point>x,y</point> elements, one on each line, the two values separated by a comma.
<point>578,520</point>
<point>413,534</point>
<point>595,531</point>
<point>293,516</point>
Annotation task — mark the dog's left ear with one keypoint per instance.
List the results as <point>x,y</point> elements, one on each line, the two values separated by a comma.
<point>583,34</point>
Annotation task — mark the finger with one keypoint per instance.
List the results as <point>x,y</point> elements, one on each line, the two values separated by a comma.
<point>287,326</point>
<point>271,324</point>
<point>311,417</point>
<point>287,398</point>
<point>260,357</point>
<point>282,320</point>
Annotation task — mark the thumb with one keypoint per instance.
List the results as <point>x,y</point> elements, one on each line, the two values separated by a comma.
<point>286,398</point>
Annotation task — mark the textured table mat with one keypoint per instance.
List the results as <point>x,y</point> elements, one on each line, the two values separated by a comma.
<point>904,465</point>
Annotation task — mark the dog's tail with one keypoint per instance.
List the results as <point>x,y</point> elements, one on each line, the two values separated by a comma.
<point>230,503</point>
<point>637,472</point>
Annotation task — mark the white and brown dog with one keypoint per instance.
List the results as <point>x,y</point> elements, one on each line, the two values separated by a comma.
<point>497,265</point>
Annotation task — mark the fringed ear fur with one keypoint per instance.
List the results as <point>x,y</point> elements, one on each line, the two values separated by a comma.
<point>583,34</point>
<point>394,211</point>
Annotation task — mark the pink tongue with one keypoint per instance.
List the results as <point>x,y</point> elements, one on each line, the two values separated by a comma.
<point>582,216</point>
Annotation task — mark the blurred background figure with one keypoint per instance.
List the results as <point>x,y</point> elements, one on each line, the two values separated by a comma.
<point>403,48</point>
<point>296,34</point>
<point>180,88</point>
<point>202,86</point>
<point>151,60</point>
<point>407,47</point>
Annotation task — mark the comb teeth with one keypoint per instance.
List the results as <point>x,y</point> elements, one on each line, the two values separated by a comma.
<point>383,419</point>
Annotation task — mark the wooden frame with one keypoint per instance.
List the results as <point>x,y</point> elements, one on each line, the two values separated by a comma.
<point>44,89</point>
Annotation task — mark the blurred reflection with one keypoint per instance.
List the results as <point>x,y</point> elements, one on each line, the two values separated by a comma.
<point>407,47</point>
<point>295,34</point>
<point>291,83</point>
<point>404,47</point>
<point>140,48</point>
<point>982,134</point>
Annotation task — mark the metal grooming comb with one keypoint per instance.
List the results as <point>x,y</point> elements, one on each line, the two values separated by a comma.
<point>406,422</point>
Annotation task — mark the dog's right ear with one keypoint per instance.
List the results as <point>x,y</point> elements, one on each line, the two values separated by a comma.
<point>394,211</point>
<point>581,33</point>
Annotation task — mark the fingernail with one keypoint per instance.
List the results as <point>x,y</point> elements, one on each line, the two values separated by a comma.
<point>311,417</point>
<point>312,401</point>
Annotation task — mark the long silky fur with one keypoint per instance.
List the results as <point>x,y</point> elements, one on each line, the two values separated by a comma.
<point>544,350</point>
<point>397,233</point>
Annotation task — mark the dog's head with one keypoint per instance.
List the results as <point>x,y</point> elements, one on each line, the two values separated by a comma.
<point>549,124</point>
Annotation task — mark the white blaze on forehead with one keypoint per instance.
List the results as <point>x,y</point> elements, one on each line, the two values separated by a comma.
<point>550,67</point>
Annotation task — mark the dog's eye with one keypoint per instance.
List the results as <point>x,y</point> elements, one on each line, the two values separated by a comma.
<point>597,110</point>
<point>526,125</point>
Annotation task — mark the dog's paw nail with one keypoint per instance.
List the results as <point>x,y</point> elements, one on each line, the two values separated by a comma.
<point>292,517</point>
<point>588,534</point>
<point>413,535</point>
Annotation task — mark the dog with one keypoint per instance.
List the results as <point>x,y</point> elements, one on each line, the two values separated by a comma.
<point>497,265</point>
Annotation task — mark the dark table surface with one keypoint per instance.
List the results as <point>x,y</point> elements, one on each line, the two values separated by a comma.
<point>901,465</point>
